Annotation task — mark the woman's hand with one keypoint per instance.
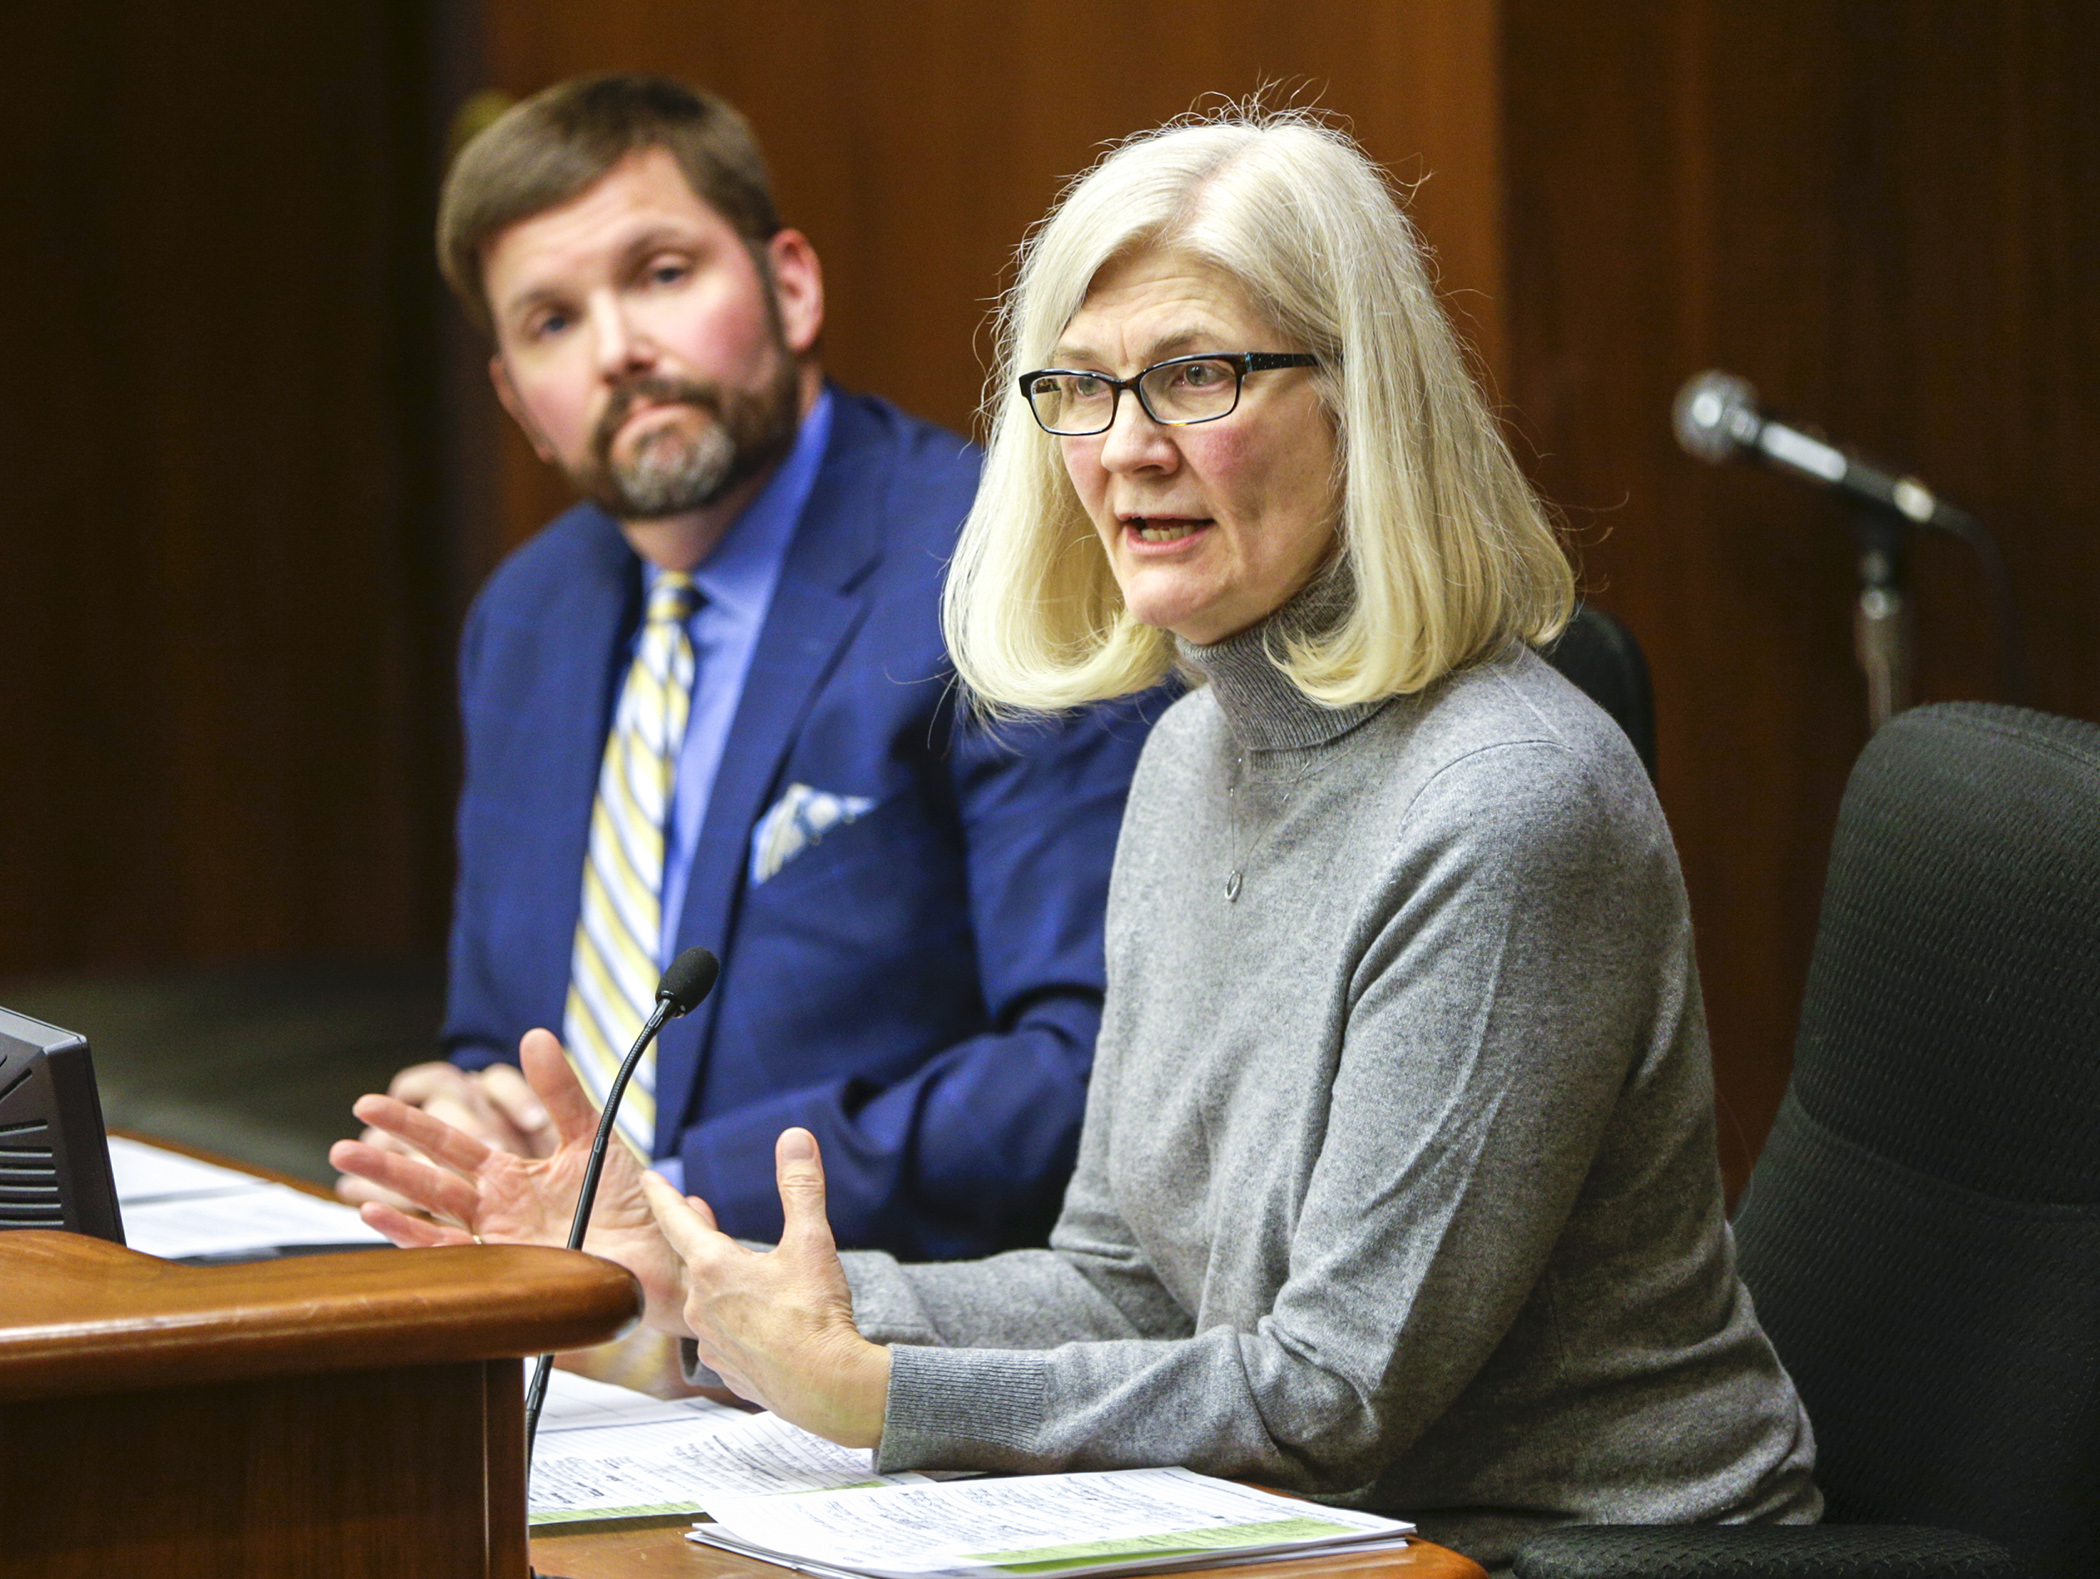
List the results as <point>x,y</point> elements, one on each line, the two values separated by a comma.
<point>493,1194</point>
<point>778,1326</point>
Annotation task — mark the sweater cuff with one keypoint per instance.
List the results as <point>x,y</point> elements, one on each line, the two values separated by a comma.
<point>962,1409</point>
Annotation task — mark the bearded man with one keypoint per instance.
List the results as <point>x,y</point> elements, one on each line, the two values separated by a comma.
<point>710,704</point>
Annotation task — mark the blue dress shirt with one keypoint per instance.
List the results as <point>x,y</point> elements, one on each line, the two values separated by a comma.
<point>736,585</point>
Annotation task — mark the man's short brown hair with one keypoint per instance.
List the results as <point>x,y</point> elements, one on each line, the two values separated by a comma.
<point>557,144</point>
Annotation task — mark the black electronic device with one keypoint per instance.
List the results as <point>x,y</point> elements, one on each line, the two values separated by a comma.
<point>54,1151</point>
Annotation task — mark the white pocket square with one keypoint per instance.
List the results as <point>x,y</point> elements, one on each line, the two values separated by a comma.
<point>799,819</point>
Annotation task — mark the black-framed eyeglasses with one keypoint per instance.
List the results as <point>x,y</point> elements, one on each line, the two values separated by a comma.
<point>1174,393</point>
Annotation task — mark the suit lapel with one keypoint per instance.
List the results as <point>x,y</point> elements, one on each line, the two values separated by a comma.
<point>817,606</point>
<point>585,664</point>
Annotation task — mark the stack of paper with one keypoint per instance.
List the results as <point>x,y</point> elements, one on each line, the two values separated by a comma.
<point>181,1209</point>
<point>1114,1522</point>
<point>607,1453</point>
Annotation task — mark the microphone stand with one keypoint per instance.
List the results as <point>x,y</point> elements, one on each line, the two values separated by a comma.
<point>1881,628</point>
<point>536,1395</point>
<point>688,981</point>
<point>683,988</point>
<point>1717,419</point>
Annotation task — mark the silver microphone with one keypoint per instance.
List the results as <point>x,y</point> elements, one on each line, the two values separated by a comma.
<point>1718,419</point>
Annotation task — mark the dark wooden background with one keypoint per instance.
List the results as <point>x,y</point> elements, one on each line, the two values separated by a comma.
<point>253,474</point>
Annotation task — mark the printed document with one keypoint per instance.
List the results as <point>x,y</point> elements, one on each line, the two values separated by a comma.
<point>1115,1521</point>
<point>607,1453</point>
<point>176,1207</point>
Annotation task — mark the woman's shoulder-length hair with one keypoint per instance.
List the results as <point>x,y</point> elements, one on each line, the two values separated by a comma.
<point>1445,554</point>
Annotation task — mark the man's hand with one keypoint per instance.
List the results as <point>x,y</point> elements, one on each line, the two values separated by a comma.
<point>778,1326</point>
<point>473,1190</point>
<point>494,1105</point>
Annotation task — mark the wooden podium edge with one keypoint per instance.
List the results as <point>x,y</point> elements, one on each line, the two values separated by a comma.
<point>81,1315</point>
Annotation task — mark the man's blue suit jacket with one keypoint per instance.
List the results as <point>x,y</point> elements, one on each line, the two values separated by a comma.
<point>920,988</point>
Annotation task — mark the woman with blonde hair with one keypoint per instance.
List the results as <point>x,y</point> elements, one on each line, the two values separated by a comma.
<point>1398,1180</point>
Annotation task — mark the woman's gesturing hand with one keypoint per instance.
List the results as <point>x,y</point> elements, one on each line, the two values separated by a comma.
<point>777,1326</point>
<point>473,1190</point>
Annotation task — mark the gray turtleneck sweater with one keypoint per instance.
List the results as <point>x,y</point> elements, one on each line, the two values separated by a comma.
<point>1398,1180</point>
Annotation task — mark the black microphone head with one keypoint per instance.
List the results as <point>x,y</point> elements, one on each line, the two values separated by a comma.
<point>1715,416</point>
<point>689,980</point>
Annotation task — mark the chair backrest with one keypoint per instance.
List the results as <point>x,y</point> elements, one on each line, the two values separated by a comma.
<point>1922,1232</point>
<point>1600,655</point>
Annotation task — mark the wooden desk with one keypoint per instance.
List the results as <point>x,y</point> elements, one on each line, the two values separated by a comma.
<point>667,1554</point>
<point>661,1551</point>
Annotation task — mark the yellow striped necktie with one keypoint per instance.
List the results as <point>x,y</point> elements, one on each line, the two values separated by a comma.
<point>619,929</point>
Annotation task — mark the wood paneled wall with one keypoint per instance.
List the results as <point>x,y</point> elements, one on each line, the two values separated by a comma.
<point>1879,213</point>
<point>223,700</point>
<point>239,525</point>
<point>1884,216</point>
<point>915,142</point>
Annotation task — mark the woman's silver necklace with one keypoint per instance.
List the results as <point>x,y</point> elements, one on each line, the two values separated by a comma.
<point>1237,871</point>
<point>1244,844</point>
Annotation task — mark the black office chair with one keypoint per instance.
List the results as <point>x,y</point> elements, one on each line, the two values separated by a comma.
<point>1602,658</point>
<point>1922,1232</point>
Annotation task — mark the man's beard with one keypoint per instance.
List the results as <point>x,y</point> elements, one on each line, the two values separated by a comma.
<point>673,469</point>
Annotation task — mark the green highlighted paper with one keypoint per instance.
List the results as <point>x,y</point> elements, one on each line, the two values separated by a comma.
<point>1178,1543</point>
<point>1113,1522</point>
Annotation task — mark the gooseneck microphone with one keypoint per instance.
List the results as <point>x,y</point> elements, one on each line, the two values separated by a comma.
<point>684,987</point>
<point>1718,419</point>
